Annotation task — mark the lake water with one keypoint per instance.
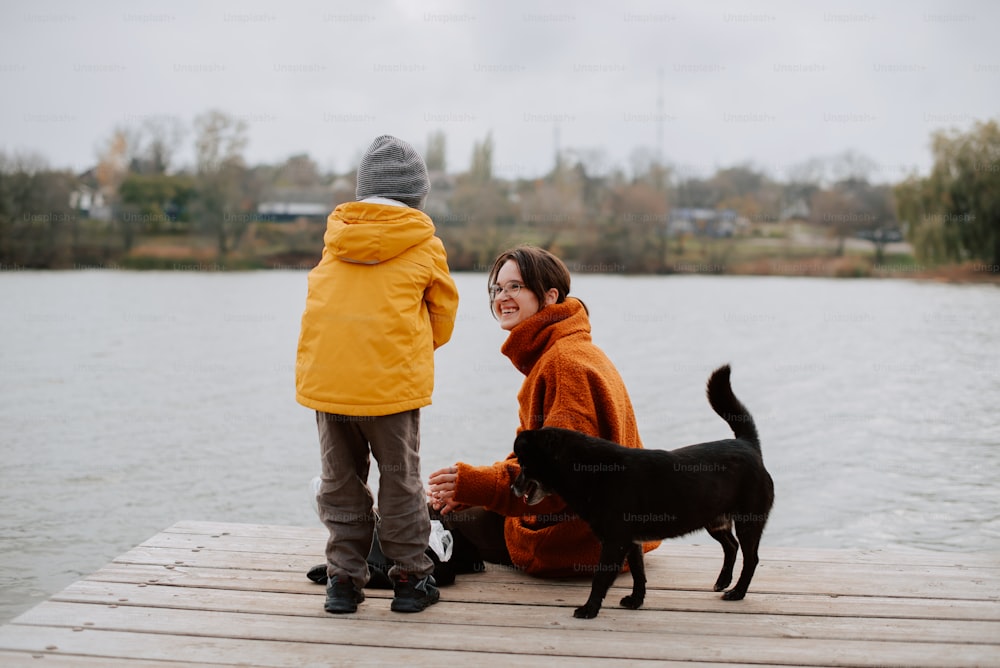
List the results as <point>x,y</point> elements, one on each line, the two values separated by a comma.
<point>130,401</point>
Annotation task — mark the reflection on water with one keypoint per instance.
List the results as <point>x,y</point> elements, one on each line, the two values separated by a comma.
<point>133,400</point>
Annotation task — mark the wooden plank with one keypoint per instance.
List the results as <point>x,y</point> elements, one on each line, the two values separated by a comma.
<point>205,593</point>
<point>398,632</point>
<point>782,577</point>
<point>652,619</point>
<point>317,535</point>
<point>192,650</point>
<point>708,549</point>
<point>282,550</point>
<point>473,588</point>
<point>676,559</point>
<point>52,660</point>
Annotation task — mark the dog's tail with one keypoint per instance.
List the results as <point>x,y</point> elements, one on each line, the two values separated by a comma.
<point>729,408</point>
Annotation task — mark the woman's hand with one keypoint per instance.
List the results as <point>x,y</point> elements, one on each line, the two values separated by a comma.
<point>441,494</point>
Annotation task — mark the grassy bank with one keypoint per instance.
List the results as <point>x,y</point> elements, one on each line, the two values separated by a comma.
<point>298,246</point>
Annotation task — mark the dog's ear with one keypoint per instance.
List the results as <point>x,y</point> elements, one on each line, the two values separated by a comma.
<point>519,444</point>
<point>522,442</point>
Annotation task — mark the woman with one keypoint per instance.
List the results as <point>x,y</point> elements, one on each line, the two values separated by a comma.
<point>569,383</point>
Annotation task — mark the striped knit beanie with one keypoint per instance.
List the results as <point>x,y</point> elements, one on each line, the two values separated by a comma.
<point>392,168</point>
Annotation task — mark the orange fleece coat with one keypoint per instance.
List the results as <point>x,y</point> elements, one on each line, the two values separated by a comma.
<point>569,383</point>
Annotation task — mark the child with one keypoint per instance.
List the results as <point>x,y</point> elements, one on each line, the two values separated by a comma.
<point>379,302</point>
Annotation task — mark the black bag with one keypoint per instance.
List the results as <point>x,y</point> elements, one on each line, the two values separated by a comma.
<point>464,559</point>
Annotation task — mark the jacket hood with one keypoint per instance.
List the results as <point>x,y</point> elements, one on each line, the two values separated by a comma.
<point>368,233</point>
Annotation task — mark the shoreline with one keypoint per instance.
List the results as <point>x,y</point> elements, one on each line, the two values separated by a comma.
<point>805,267</point>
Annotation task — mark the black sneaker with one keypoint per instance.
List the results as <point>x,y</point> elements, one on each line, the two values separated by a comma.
<point>342,597</point>
<point>414,595</point>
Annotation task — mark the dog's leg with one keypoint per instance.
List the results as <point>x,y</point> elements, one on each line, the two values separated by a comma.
<point>729,548</point>
<point>749,534</point>
<point>638,569</point>
<point>610,565</point>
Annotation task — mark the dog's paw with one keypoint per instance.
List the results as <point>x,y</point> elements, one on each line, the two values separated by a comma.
<point>632,602</point>
<point>733,595</point>
<point>586,612</point>
<point>722,583</point>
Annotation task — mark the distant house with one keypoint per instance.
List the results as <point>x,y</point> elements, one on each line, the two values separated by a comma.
<point>283,210</point>
<point>797,210</point>
<point>705,222</point>
<point>287,204</point>
<point>87,199</point>
<point>283,204</point>
<point>89,203</point>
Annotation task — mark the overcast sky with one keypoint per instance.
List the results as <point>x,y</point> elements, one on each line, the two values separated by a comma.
<point>711,84</point>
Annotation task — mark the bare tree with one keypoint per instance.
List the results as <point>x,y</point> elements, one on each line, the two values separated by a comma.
<point>481,170</point>
<point>434,157</point>
<point>854,207</point>
<point>299,171</point>
<point>163,136</point>
<point>553,207</point>
<point>37,224</point>
<point>852,166</point>
<point>219,144</point>
<point>113,162</point>
<point>639,219</point>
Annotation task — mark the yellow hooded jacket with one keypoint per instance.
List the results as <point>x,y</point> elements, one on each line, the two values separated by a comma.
<point>379,302</point>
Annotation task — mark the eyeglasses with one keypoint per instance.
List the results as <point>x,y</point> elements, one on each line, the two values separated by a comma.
<point>511,288</point>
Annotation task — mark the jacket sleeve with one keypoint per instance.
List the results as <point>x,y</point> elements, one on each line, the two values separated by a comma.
<point>441,297</point>
<point>571,399</point>
<point>489,486</point>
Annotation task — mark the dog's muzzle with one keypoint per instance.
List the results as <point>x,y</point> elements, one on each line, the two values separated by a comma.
<point>529,489</point>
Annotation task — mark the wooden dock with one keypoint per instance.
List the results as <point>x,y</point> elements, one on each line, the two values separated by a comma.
<point>209,594</point>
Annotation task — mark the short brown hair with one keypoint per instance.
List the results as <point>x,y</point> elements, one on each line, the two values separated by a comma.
<point>540,272</point>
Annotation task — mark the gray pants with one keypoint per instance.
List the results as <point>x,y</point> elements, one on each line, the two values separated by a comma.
<point>345,501</point>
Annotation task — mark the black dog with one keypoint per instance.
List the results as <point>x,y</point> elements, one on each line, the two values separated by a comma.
<point>629,495</point>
